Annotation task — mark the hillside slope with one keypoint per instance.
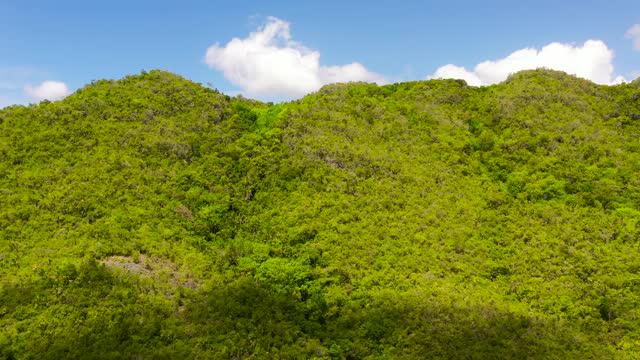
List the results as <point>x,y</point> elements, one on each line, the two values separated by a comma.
<point>151,217</point>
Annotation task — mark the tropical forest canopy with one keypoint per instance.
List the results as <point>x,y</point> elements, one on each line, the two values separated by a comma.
<point>151,218</point>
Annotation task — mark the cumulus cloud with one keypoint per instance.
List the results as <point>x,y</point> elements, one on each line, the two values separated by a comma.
<point>592,60</point>
<point>451,71</point>
<point>50,90</point>
<point>270,63</point>
<point>634,34</point>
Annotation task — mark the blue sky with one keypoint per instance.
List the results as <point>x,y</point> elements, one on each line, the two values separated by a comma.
<point>50,48</point>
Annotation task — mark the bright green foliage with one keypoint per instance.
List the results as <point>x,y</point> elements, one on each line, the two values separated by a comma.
<point>151,217</point>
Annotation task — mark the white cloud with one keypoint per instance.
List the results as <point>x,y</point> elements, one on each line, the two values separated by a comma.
<point>270,63</point>
<point>451,71</point>
<point>592,60</point>
<point>634,34</point>
<point>50,90</point>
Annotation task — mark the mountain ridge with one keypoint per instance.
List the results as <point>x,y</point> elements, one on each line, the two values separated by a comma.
<point>154,217</point>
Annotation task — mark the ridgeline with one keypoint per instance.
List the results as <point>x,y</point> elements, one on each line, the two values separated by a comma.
<point>153,218</point>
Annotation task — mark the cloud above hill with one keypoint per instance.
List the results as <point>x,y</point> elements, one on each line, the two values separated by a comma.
<point>270,63</point>
<point>593,60</point>
<point>48,90</point>
<point>634,34</point>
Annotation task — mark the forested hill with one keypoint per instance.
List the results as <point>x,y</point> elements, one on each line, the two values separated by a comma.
<point>153,218</point>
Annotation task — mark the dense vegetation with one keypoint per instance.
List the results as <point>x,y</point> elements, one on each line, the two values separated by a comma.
<point>151,217</point>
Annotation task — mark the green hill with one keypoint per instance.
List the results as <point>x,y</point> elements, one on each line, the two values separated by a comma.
<point>152,218</point>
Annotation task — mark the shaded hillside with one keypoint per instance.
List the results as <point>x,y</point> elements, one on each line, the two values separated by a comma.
<point>151,217</point>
